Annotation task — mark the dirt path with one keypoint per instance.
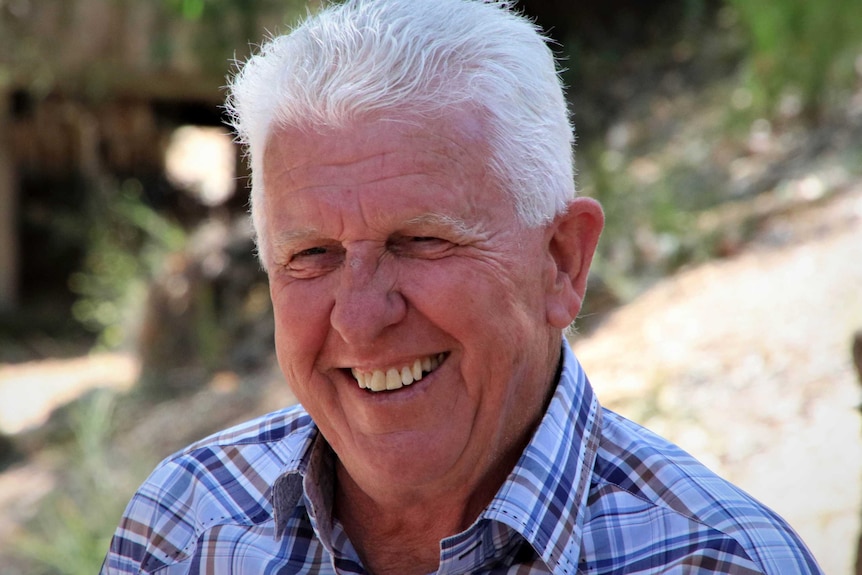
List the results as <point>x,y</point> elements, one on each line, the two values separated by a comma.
<point>746,363</point>
<point>30,391</point>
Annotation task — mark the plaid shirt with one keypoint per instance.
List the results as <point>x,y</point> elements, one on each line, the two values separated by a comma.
<point>593,493</point>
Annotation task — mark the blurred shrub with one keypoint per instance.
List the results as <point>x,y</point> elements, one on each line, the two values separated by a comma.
<point>799,47</point>
<point>222,29</point>
<point>72,529</point>
<point>126,246</point>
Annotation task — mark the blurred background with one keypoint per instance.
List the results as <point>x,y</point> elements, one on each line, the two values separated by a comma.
<point>723,137</point>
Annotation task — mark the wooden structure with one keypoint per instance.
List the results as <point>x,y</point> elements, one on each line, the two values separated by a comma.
<point>91,89</point>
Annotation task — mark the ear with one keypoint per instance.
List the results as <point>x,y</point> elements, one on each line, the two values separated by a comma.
<point>571,242</point>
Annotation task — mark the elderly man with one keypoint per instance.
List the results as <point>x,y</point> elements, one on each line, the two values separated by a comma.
<point>412,191</point>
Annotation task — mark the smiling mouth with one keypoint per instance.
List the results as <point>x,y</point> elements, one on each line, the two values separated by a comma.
<point>395,378</point>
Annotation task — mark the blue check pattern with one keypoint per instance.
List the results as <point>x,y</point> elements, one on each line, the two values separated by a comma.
<point>593,493</point>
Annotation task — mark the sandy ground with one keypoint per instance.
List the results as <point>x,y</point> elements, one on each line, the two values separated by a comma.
<point>746,364</point>
<point>30,391</point>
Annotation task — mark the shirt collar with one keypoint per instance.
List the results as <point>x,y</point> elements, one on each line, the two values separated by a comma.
<point>544,498</point>
<point>306,480</point>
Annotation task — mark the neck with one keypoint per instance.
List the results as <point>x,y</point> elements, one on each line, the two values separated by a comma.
<point>401,531</point>
<point>398,530</point>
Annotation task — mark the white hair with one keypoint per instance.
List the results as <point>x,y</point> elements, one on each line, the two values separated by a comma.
<point>417,57</point>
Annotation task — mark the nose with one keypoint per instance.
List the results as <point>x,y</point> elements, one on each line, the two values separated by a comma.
<point>367,300</point>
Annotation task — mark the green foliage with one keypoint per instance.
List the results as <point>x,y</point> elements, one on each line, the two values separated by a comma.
<point>800,46</point>
<point>222,29</point>
<point>211,9</point>
<point>651,203</point>
<point>71,533</point>
<point>189,9</point>
<point>126,247</point>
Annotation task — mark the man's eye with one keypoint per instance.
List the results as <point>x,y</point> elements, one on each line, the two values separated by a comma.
<point>311,252</point>
<point>421,246</point>
<point>315,261</point>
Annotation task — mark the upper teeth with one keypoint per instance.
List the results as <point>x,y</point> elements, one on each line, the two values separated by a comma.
<point>395,378</point>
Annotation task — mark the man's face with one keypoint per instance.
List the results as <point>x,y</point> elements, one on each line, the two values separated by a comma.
<point>410,302</point>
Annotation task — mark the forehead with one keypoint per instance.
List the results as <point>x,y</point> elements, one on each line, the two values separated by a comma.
<point>451,140</point>
<point>398,168</point>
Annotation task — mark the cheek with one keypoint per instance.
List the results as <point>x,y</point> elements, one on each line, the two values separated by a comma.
<point>449,294</point>
<point>484,306</point>
<point>301,322</point>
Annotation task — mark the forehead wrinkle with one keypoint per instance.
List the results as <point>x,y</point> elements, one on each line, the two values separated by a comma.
<point>328,176</point>
<point>444,153</point>
<point>284,168</point>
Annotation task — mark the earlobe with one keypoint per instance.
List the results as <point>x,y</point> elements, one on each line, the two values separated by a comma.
<point>572,240</point>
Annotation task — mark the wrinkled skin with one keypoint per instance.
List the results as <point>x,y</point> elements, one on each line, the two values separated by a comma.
<point>387,242</point>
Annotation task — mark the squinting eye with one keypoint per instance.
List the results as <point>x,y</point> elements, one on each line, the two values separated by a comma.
<point>311,252</point>
<point>315,261</point>
<point>426,247</point>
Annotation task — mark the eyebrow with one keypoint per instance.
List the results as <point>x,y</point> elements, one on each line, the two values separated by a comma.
<point>288,237</point>
<point>297,234</point>
<point>457,225</point>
